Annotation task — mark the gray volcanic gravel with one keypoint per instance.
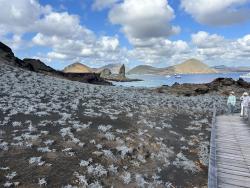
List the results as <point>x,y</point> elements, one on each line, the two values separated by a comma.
<point>59,133</point>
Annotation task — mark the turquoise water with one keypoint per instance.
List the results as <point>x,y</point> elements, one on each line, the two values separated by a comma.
<point>156,81</point>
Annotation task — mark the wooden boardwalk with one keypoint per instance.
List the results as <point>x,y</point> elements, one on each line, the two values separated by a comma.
<point>230,153</point>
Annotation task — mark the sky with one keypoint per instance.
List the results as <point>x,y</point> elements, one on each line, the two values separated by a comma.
<point>159,33</point>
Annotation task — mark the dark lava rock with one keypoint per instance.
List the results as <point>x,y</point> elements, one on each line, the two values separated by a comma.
<point>220,85</point>
<point>243,83</point>
<point>38,66</point>
<point>8,57</point>
<point>223,81</point>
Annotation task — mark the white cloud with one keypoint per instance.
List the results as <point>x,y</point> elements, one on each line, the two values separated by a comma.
<point>144,19</point>
<point>19,15</point>
<point>55,55</point>
<point>61,24</point>
<point>215,48</point>
<point>159,51</point>
<point>217,12</point>
<point>205,40</point>
<point>146,24</point>
<point>244,42</point>
<point>102,4</point>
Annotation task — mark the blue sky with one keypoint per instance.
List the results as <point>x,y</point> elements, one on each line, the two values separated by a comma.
<point>158,33</point>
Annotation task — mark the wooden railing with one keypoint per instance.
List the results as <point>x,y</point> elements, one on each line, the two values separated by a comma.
<point>212,170</point>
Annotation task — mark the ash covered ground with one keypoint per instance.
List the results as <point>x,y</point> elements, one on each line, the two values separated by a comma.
<point>59,133</point>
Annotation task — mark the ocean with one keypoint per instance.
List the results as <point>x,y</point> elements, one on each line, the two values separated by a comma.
<point>156,81</point>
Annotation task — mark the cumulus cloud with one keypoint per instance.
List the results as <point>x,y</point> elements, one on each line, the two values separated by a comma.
<point>203,39</point>
<point>19,15</point>
<point>144,19</point>
<point>102,4</point>
<point>217,12</point>
<point>159,51</point>
<point>100,51</point>
<point>147,25</point>
<point>61,24</point>
<point>215,48</point>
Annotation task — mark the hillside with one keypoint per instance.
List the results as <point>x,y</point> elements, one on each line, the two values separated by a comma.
<point>145,69</point>
<point>226,69</point>
<point>77,68</point>
<point>191,66</point>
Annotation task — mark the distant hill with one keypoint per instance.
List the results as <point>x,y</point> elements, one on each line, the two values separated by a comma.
<point>81,68</point>
<point>77,68</point>
<point>191,66</point>
<point>146,69</point>
<point>225,69</point>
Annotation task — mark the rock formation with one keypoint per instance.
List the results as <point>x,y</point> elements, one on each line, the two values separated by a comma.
<point>220,85</point>
<point>122,71</point>
<point>38,66</point>
<point>105,73</point>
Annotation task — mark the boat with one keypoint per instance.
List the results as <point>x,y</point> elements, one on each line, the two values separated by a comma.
<point>177,76</point>
<point>167,76</point>
<point>245,75</point>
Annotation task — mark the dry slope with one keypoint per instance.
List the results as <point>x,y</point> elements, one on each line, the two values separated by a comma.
<point>193,66</point>
<point>77,68</point>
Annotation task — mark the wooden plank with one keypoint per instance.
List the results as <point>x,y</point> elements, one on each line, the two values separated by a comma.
<point>226,185</point>
<point>242,180</point>
<point>234,172</point>
<point>232,150</point>
<point>231,167</point>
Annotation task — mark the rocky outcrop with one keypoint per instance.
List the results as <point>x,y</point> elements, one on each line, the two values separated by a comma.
<point>38,66</point>
<point>35,65</point>
<point>105,73</point>
<point>120,77</point>
<point>122,71</point>
<point>8,57</point>
<point>220,85</point>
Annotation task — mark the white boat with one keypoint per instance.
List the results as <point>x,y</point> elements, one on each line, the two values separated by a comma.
<point>245,75</point>
<point>177,76</point>
<point>167,76</point>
